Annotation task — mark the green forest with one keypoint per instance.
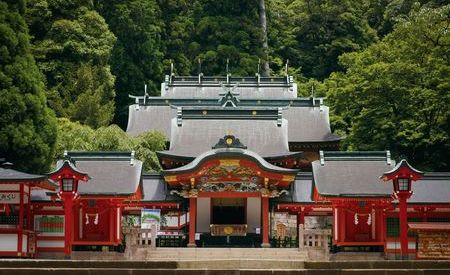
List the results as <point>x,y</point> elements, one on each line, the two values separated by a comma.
<point>68,66</point>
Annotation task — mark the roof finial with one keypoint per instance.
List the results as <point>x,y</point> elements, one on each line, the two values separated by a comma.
<point>145,93</point>
<point>286,67</point>
<point>228,62</point>
<point>259,65</point>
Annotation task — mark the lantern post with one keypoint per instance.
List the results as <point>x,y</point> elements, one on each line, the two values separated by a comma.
<point>402,176</point>
<point>68,177</point>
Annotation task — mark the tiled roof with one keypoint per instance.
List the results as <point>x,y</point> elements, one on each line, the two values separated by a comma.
<point>14,175</point>
<point>352,174</point>
<point>111,173</point>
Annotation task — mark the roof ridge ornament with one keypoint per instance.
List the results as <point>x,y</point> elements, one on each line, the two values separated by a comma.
<point>229,96</point>
<point>229,141</point>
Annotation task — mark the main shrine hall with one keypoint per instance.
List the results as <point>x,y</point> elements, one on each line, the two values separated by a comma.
<point>248,164</point>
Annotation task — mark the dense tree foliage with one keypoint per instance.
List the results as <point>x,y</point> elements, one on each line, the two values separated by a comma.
<point>383,64</point>
<point>319,31</point>
<point>395,94</point>
<point>73,136</point>
<point>138,53</point>
<point>27,125</point>
<point>72,46</point>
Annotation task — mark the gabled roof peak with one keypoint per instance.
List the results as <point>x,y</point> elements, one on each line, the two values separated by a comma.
<point>402,169</point>
<point>229,141</point>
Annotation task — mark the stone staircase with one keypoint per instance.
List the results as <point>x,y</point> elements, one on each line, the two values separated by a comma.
<point>221,254</point>
<point>222,267</point>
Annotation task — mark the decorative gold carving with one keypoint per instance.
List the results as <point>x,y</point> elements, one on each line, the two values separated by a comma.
<point>229,162</point>
<point>266,193</point>
<point>170,178</point>
<point>192,193</point>
<point>229,141</point>
<point>205,112</point>
<point>266,183</point>
<point>254,113</point>
<point>288,178</point>
<point>228,230</point>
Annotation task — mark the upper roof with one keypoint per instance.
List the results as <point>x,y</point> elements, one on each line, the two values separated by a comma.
<point>431,188</point>
<point>111,173</point>
<point>308,117</point>
<point>352,174</point>
<point>211,86</point>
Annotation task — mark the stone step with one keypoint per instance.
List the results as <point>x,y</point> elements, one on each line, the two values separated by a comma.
<point>223,253</point>
<point>222,271</point>
<point>44,267</point>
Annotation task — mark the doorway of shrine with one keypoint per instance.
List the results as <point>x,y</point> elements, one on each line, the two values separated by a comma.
<point>229,211</point>
<point>229,221</point>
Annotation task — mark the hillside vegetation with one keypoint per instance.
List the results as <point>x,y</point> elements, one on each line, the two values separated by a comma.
<point>383,65</point>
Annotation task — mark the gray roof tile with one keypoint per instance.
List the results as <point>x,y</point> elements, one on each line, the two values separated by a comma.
<point>14,175</point>
<point>199,135</point>
<point>432,188</point>
<point>351,177</point>
<point>156,189</point>
<point>114,177</point>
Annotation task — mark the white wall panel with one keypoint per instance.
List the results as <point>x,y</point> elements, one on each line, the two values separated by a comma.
<point>8,242</point>
<point>203,214</point>
<point>253,214</point>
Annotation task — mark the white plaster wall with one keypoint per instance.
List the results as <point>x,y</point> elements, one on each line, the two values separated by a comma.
<point>9,187</point>
<point>253,214</point>
<point>8,242</point>
<point>203,214</point>
<point>24,243</point>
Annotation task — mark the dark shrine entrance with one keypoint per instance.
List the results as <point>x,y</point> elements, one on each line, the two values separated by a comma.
<point>228,210</point>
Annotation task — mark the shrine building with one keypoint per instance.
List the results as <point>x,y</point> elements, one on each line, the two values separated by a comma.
<point>248,164</point>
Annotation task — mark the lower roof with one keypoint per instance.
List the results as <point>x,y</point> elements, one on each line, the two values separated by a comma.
<point>155,189</point>
<point>352,174</point>
<point>300,191</point>
<point>9,175</point>
<point>431,188</point>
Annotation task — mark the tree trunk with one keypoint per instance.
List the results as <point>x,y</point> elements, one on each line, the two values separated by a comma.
<point>265,45</point>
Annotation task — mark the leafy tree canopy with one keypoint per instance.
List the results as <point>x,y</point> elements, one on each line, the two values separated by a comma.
<point>73,136</point>
<point>138,53</point>
<point>394,95</point>
<point>72,45</point>
<point>27,125</point>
